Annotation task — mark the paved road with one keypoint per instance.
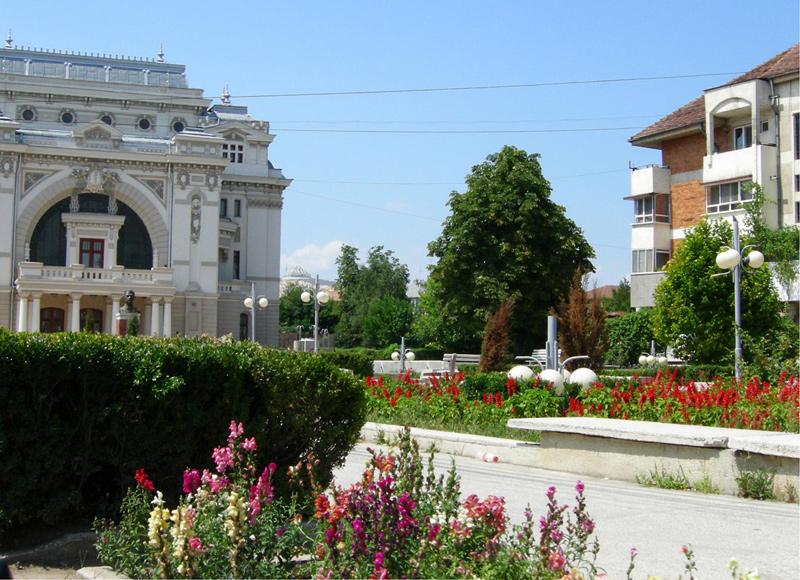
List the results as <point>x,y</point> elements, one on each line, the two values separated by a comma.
<point>762,535</point>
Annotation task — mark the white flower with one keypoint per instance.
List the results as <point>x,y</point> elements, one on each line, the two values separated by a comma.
<point>158,500</point>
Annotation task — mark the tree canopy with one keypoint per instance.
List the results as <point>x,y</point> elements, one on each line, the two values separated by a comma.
<point>505,238</point>
<point>695,311</point>
<point>294,312</point>
<point>370,298</point>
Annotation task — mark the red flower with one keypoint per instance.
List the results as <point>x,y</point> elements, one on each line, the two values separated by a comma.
<point>141,478</point>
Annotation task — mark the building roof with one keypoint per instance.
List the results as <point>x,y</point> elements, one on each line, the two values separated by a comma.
<point>693,112</point>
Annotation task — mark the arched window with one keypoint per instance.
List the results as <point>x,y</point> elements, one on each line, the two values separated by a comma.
<point>91,320</point>
<point>49,239</point>
<point>51,320</point>
<point>244,326</point>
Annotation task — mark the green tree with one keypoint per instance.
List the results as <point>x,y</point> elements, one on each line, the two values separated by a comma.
<point>388,319</point>
<point>695,311</point>
<point>629,336</point>
<point>359,285</point>
<point>437,329</point>
<point>294,312</point>
<point>620,300</point>
<point>506,238</point>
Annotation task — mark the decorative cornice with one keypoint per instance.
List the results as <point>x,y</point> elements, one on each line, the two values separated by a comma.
<point>265,202</point>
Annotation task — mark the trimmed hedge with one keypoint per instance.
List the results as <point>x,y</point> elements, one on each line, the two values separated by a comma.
<point>358,362</point>
<point>83,411</point>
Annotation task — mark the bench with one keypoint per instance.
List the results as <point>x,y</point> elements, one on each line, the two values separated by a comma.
<point>454,359</point>
<point>624,449</point>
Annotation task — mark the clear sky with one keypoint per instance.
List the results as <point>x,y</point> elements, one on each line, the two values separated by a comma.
<point>378,168</point>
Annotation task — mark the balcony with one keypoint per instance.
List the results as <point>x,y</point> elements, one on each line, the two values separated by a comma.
<point>756,162</point>
<point>36,277</point>
<point>649,180</point>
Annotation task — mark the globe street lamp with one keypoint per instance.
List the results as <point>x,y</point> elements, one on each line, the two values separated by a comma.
<point>404,355</point>
<point>731,259</point>
<point>320,297</point>
<point>251,302</point>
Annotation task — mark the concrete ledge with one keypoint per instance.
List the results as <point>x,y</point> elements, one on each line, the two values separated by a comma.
<point>622,450</point>
<point>762,442</point>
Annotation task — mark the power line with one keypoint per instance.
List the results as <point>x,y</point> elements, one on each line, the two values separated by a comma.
<point>482,87</point>
<point>477,122</point>
<point>445,132</point>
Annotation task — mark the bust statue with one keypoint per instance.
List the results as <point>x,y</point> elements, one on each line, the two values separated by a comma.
<point>128,307</point>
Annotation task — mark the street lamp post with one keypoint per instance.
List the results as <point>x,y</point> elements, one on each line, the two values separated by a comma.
<point>251,302</point>
<point>731,259</point>
<point>404,355</point>
<point>320,297</point>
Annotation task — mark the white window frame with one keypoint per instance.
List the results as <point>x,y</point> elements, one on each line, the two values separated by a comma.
<point>727,196</point>
<point>642,210</point>
<point>234,152</point>
<point>742,137</point>
<point>648,260</point>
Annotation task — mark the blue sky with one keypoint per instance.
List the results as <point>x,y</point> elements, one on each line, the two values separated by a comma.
<point>378,169</point>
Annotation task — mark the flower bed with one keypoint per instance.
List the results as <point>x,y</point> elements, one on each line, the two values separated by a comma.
<point>400,521</point>
<point>444,405</point>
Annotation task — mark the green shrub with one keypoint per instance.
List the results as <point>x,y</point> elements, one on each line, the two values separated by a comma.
<point>83,411</point>
<point>475,384</point>
<point>358,362</point>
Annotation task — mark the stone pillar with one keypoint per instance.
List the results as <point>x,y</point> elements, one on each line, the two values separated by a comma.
<point>36,308</point>
<point>75,313</point>
<point>167,317</point>
<point>145,319</point>
<point>115,298</point>
<point>155,316</point>
<point>22,313</point>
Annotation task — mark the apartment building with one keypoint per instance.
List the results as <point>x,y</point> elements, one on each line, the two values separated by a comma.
<point>747,130</point>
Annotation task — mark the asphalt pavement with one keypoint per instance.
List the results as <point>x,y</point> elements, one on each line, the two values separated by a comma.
<point>762,535</point>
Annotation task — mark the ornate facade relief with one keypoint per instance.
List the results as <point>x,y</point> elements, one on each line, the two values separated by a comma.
<point>195,218</point>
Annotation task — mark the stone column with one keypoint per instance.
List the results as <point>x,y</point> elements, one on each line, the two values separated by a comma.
<point>75,313</point>
<point>115,298</point>
<point>36,308</point>
<point>167,317</point>
<point>145,319</point>
<point>22,313</point>
<point>155,316</point>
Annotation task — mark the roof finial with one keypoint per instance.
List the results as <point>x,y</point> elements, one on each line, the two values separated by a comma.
<point>160,52</point>
<point>8,39</point>
<point>226,96</point>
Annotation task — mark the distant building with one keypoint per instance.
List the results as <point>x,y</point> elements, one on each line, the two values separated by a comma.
<point>115,175</point>
<point>298,275</point>
<point>747,130</point>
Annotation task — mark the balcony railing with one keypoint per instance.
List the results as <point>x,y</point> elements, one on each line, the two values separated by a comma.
<point>755,162</point>
<point>75,272</point>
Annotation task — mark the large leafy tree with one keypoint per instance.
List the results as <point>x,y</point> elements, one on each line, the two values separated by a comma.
<point>294,312</point>
<point>695,311</point>
<point>505,238</point>
<point>380,278</point>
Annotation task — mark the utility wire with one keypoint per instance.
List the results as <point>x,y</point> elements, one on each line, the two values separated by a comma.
<point>481,87</point>
<point>446,132</point>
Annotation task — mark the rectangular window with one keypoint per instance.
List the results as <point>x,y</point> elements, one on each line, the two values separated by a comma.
<point>796,127</point>
<point>642,261</point>
<point>233,152</point>
<point>661,260</point>
<point>236,265</point>
<point>91,255</point>
<point>727,196</point>
<point>237,208</point>
<point>743,137</point>
<point>643,210</point>
<point>223,207</point>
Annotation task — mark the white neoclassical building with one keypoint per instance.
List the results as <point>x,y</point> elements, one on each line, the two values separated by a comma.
<point>115,175</point>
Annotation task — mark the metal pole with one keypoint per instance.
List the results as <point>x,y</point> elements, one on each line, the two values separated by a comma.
<point>402,354</point>
<point>316,314</point>
<point>551,348</point>
<point>737,298</point>
<point>253,312</point>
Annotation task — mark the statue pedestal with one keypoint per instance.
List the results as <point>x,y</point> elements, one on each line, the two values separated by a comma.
<point>126,320</point>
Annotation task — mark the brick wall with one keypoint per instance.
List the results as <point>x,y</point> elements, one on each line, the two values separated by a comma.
<point>688,203</point>
<point>684,154</point>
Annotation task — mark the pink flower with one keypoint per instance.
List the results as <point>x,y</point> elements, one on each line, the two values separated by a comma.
<point>579,486</point>
<point>191,480</point>
<point>556,560</point>
<point>249,444</point>
<point>197,545</point>
<point>223,457</point>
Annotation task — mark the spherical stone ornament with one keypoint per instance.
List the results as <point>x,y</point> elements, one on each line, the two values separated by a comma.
<point>584,377</point>
<point>520,373</point>
<point>643,359</point>
<point>553,376</point>
<point>662,360</point>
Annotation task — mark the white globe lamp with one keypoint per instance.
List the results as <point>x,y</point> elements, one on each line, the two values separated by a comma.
<point>323,297</point>
<point>306,297</point>
<point>248,302</point>
<point>584,377</point>
<point>662,360</point>
<point>410,356</point>
<point>728,259</point>
<point>395,356</point>
<point>262,302</point>
<point>643,360</point>
<point>553,376</point>
<point>651,360</point>
<point>520,373</point>
<point>755,259</point>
